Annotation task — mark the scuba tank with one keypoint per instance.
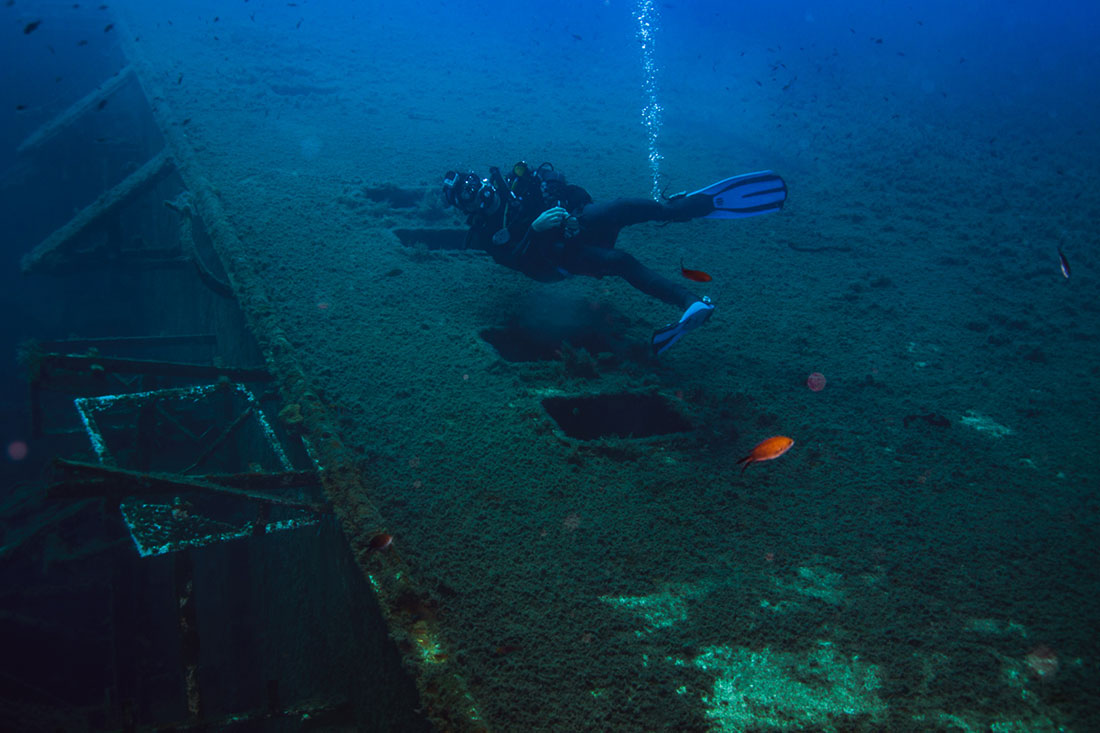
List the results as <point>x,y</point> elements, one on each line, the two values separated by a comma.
<point>520,190</point>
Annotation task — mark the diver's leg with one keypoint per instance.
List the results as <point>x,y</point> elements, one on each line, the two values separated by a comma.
<point>616,214</point>
<point>597,261</point>
<point>601,262</point>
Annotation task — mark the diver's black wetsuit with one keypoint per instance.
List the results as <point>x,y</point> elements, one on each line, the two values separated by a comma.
<point>552,255</point>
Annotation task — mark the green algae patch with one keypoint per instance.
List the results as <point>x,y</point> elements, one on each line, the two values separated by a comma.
<point>821,690</point>
<point>660,610</point>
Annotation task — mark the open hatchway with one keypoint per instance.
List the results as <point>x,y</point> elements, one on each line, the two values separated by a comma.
<point>626,415</point>
<point>185,556</point>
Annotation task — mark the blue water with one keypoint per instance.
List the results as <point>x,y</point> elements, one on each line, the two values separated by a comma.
<point>939,157</point>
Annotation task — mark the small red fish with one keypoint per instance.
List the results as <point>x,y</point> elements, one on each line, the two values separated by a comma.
<point>767,450</point>
<point>380,542</point>
<point>697,275</point>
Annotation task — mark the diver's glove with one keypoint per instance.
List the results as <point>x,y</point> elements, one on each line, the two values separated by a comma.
<point>550,219</point>
<point>696,315</point>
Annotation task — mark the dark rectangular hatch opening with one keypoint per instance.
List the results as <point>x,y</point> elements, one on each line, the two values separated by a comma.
<point>615,416</point>
<point>398,198</point>
<point>432,238</point>
<point>516,344</point>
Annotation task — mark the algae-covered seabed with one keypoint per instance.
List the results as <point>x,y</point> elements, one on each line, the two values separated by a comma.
<point>887,573</point>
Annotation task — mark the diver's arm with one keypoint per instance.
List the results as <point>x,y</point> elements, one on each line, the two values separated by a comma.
<point>545,227</point>
<point>552,218</point>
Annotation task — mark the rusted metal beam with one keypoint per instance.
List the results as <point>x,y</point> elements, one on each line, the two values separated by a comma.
<point>221,439</point>
<point>80,480</point>
<point>75,111</point>
<point>47,363</point>
<point>51,251</point>
<point>310,716</point>
<point>86,343</point>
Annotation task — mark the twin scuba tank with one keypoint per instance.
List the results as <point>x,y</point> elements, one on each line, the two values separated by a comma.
<point>528,192</point>
<point>542,186</point>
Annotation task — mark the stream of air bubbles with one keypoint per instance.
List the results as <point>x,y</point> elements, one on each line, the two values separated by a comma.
<point>648,23</point>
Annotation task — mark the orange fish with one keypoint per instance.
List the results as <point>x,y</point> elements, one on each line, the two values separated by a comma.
<point>380,542</point>
<point>767,450</point>
<point>697,275</point>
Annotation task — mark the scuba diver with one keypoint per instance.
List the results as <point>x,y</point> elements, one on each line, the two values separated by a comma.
<point>534,221</point>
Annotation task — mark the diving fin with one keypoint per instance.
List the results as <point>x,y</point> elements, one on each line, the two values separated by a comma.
<point>696,315</point>
<point>749,194</point>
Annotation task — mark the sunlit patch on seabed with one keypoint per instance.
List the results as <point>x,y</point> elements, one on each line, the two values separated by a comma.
<point>760,690</point>
<point>984,424</point>
<point>658,610</point>
<point>996,626</point>
<point>765,689</point>
<point>815,582</point>
<point>820,689</point>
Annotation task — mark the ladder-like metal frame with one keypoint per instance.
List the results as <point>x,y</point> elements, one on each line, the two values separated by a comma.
<point>410,611</point>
